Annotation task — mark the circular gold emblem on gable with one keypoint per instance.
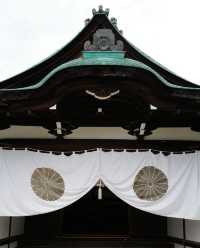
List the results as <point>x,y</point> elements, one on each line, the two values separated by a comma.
<point>150,183</point>
<point>47,184</point>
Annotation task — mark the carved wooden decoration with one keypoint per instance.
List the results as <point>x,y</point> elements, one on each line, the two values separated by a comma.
<point>47,184</point>
<point>104,40</point>
<point>150,184</point>
<point>102,94</point>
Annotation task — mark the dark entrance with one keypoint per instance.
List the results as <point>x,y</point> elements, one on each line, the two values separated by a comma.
<point>91,216</point>
<point>90,222</point>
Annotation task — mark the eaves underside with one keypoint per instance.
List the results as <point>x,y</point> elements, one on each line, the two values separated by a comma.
<point>102,133</point>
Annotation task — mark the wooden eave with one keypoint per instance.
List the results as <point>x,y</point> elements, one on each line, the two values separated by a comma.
<point>133,81</point>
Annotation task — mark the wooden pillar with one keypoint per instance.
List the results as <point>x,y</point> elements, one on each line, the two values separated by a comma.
<point>9,231</point>
<point>184,232</point>
<point>130,222</point>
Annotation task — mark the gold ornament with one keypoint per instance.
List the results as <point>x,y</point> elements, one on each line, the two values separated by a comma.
<point>150,183</point>
<point>47,184</point>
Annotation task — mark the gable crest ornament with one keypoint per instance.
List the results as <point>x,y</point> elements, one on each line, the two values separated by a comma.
<point>103,40</point>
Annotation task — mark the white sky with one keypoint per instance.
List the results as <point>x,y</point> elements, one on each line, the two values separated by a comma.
<point>167,30</point>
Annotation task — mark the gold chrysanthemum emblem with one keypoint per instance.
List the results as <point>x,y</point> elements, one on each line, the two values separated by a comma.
<point>47,184</point>
<point>150,183</point>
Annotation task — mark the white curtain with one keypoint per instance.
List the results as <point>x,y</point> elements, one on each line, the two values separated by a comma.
<point>178,194</point>
<point>182,199</point>
<point>17,198</point>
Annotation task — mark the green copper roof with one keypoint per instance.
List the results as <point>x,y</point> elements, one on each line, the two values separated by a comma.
<point>99,58</point>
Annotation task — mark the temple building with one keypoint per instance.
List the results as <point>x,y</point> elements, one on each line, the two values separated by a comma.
<point>99,148</point>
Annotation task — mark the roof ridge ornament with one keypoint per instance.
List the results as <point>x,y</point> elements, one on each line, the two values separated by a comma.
<point>113,20</point>
<point>100,11</point>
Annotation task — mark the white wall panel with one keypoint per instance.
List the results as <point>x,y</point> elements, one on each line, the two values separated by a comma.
<point>17,226</point>
<point>4,227</point>
<point>13,244</point>
<point>17,229</point>
<point>175,228</point>
<point>193,230</point>
<point>178,246</point>
<point>4,246</point>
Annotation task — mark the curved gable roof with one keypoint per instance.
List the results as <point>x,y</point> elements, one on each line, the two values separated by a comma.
<point>73,49</point>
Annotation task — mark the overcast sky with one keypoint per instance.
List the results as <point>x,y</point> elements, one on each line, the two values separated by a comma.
<point>167,30</point>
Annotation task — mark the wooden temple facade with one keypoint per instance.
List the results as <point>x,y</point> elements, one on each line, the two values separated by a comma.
<point>99,80</point>
<point>99,91</point>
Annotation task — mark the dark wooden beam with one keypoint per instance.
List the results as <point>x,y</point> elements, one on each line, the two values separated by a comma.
<point>133,81</point>
<point>82,144</point>
<point>157,118</point>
